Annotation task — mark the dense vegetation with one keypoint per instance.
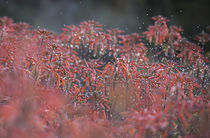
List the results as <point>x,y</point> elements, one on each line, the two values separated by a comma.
<point>90,82</point>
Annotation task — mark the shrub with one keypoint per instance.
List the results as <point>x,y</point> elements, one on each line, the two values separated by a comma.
<point>91,82</point>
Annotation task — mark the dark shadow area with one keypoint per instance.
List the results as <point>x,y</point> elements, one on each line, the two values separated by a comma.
<point>129,15</point>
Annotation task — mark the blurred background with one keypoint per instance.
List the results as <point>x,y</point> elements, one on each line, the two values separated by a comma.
<point>128,15</point>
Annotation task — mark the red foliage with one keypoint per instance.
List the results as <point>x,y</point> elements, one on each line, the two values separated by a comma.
<point>89,82</point>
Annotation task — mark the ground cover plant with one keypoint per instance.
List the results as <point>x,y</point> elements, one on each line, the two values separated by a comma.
<point>91,82</point>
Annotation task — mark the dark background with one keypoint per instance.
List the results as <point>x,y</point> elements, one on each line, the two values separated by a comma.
<point>129,15</point>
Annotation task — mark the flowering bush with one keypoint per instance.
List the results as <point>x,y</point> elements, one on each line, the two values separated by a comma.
<point>90,82</point>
